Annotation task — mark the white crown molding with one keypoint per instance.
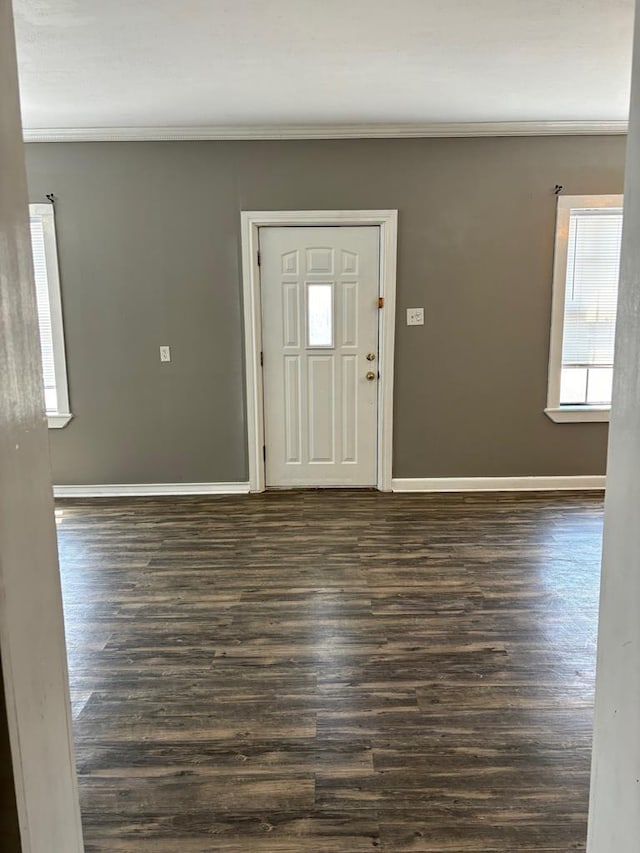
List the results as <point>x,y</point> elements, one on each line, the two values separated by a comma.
<point>496,484</point>
<point>149,490</point>
<point>321,131</point>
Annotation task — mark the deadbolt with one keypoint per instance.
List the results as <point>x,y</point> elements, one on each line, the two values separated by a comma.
<point>371,376</point>
<point>371,356</point>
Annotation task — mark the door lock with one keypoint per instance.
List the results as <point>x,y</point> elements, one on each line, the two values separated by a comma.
<point>371,356</point>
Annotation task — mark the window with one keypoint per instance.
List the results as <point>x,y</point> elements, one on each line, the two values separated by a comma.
<point>319,315</point>
<point>45,266</point>
<point>585,297</point>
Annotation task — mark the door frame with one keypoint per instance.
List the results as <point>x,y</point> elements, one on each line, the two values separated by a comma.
<point>251,221</point>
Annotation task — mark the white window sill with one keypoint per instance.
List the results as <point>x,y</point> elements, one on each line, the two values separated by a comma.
<point>58,420</point>
<point>579,414</point>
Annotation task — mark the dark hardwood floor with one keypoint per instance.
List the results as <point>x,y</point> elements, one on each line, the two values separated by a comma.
<point>320,672</point>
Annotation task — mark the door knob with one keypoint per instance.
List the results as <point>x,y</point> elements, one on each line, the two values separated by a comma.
<point>371,356</point>
<point>371,375</point>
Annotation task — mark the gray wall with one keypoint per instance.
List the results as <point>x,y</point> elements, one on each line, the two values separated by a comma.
<point>149,250</point>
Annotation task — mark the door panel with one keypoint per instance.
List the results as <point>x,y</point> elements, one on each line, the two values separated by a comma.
<point>319,290</point>
<point>321,408</point>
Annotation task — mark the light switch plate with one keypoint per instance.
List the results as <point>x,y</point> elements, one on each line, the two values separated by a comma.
<point>165,353</point>
<point>415,316</point>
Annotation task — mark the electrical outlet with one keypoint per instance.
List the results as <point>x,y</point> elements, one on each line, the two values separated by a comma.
<point>165,353</point>
<point>415,316</point>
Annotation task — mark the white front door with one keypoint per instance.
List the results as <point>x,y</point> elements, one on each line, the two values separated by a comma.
<point>319,291</point>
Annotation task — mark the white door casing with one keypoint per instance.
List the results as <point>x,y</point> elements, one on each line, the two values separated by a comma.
<point>251,222</point>
<point>319,289</point>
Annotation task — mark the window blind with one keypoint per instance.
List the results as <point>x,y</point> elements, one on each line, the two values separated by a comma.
<point>591,301</point>
<point>44,312</point>
<point>591,296</point>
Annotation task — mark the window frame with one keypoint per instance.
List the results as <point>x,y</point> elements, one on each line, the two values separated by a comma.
<point>62,416</point>
<point>554,410</point>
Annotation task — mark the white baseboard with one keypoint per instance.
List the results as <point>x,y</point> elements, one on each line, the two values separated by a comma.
<point>399,484</point>
<point>150,489</point>
<point>495,484</point>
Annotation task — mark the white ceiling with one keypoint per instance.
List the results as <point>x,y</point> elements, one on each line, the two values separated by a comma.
<point>142,63</point>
